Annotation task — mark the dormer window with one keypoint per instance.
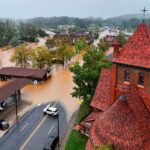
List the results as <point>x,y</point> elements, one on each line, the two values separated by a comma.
<point>127,76</point>
<point>141,79</point>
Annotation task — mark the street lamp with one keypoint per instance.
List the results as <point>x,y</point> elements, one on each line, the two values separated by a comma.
<point>58,128</point>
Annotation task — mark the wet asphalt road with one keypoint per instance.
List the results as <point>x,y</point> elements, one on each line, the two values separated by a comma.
<point>34,130</point>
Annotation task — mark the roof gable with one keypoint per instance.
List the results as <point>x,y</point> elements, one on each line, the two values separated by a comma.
<point>136,51</point>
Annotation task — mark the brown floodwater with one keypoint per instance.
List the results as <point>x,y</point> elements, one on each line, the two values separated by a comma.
<point>57,88</point>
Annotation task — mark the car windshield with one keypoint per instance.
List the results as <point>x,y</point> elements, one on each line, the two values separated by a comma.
<point>4,123</point>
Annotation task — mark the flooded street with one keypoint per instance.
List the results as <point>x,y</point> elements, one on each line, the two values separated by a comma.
<point>58,87</point>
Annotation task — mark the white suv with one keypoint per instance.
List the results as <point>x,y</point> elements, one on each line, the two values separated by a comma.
<point>53,111</point>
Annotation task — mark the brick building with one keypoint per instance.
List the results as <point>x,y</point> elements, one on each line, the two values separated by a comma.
<point>121,103</point>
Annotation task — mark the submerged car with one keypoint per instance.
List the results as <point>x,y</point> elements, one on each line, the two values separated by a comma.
<point>52,111</point>
<point>52,143</point>
<point>4,125</point>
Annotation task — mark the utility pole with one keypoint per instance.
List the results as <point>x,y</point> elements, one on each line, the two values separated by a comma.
<point>16,99</point>
<point>58,130</point>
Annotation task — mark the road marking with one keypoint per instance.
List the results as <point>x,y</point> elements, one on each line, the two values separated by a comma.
<point>31,135</point>
<point>55,104</point>
<point>51,129</point>
<point>24,126</point>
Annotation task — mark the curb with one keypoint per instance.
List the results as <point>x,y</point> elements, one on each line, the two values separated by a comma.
<point>68,130</point>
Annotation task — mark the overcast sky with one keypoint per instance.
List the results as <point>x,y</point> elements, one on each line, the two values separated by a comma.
<point>19,9</point>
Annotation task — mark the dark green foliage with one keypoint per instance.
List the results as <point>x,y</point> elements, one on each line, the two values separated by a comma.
<point>13,34</point>
<point>121,38</point>
<point>76,141</point>
<point>103,45</point>
<point>86,76</point>
<point>80,44</point>
<point>84,110</point>
<point>54,22</point>
<point>14,41</point>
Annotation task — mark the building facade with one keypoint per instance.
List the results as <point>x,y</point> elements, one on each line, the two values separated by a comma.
<point>121,103</point>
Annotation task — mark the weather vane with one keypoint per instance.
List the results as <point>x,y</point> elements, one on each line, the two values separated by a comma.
<point>144,12</point>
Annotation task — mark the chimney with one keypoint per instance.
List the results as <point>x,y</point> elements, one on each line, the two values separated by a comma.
<point>116,46</point>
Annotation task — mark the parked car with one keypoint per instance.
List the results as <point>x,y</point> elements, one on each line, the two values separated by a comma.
<point>3,105</point>
<point>53,111</point>
<point>52,143</point>
<point>4,125</point>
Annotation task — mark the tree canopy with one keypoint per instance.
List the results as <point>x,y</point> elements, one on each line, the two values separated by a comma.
<point>86,76</point>
<point>41,57</point>
<point>21,56</point>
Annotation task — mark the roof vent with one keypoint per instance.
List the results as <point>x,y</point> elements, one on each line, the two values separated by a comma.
<point>122,98</point>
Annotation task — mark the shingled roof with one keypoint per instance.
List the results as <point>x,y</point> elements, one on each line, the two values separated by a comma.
<point>126,124</point>
<point>11,87</point>
<point>23,72</point>
<point>101,99</point>
<point>136,51</point>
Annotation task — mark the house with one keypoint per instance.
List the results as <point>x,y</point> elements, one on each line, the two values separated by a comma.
<point>121,103</point>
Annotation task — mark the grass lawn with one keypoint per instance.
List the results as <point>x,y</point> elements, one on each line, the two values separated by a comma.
<point>76,141</point>
<point>84,110</point>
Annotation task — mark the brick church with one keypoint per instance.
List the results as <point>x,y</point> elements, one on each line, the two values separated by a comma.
<point>121,103</point>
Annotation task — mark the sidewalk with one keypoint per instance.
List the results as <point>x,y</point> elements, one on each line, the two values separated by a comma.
<point>10,115</point>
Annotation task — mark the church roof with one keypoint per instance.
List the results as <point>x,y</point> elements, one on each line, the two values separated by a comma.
<point>101,99</point>
<point>126,124</point>
<point>136,51</point>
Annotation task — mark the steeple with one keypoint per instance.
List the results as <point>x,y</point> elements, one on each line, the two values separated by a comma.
<point>144,12</point>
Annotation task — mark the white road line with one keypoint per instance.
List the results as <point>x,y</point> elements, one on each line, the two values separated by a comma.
<point>24,126</point>
<point>51,129</point>
<point>31,135</point>
<point>55,104</point>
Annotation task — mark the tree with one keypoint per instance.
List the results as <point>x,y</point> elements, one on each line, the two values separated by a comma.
<point>50,42</point>
<point>2,33</point>
<point>86,76</point>
<point>14,41</point>
<point>103,45</point>
<point>121,38</point>
<point>80,44</point>
<point>10,30</point>
<point>27,32</point>
<point>21,56</point>
<point>41,57</point>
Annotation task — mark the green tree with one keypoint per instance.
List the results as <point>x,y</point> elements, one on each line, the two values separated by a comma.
<point>10,30</point>
<point>80,44</point>
<point>27,32</point>
<point>121,38</point>
<point>65,52</point>
<point>14,41</point>
<point>50,42</point>
<point>2,33</point>
<point>41,57</point>
<point>21,56</point>
<point>103,45</point>
<point>87,75</point>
